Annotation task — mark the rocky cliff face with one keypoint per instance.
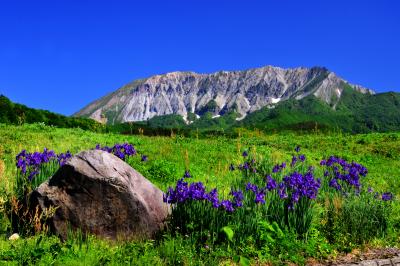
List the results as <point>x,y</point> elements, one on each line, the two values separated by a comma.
<point>241,91</point>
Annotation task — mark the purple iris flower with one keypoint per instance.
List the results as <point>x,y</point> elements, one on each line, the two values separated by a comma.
<point>237,198</point>
<point>212,197</point>
<point>227,205</point>
<point>251,187</point>
<point>387,196</point>
<point>187,174</point>
<point>271,183</point>
<point>294,160</point>
<point>260,197</point>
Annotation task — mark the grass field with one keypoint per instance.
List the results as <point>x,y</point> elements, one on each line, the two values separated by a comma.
<point>208,160</point>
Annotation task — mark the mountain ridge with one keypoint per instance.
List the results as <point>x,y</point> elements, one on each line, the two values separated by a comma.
<point>186,93</point>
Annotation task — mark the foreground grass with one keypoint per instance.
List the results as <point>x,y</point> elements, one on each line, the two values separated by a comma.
<point>208,161</point>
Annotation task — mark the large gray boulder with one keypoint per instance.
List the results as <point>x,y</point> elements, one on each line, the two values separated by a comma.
<point>100,194</point>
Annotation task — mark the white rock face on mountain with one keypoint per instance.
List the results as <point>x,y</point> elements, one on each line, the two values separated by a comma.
<point>242,91</point>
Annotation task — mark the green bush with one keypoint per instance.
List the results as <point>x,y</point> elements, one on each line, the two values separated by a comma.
<point>356,219</point>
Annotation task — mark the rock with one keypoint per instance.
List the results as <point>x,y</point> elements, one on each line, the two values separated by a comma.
<point>100,194</point>
<point>396,261</point>
<point>368,263</point>
<point>384,262</point>
<point>13,237</point>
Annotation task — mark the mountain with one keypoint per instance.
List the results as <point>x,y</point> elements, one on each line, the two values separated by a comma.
<point>237,93</point>
<point>14,113</point>
<point>354,113</point>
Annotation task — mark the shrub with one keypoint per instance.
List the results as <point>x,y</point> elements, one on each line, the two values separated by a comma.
<point>356,219</point>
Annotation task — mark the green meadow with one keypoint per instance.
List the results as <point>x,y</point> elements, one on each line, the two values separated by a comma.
<point>208,160</point>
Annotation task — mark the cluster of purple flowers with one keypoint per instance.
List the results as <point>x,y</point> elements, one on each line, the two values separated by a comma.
<point>386,196</point>
<point>249,165</point>
<point>29,163</point>
<point>279,167</point>
<point>258,192</point>
<point>62,158</point>
<point>343,172</point>
<point>187,174</point>
<point>196,191</point>
<point>293,188</point>
<point>296,185</point>
<point>121,150</point>
<point>271,183</point>
<point>295,159</point>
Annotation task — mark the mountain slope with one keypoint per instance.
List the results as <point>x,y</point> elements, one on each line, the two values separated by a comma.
<point>14,113</point>
<point>354,112</point>
<point>242,92</point>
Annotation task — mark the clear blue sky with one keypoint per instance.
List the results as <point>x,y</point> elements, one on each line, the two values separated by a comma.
<point>60,55</point>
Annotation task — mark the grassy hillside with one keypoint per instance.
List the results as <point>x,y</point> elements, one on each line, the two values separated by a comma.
<point>14,113</point>
<point>354,113</point>
<point>208,161</point>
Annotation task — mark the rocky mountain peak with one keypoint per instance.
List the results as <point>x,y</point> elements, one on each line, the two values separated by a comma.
<point>220,92</point>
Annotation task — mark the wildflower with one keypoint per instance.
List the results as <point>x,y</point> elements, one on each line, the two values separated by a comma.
<point>144,158</point>
<point>119,154</point>
<point>231,167</point>
<point>279,167</point>
<point>32,175</point>
<point>334,183</point>
<point>245,154</point>
<point>197,191</point>
<point>271,183</point>
<point>260,195</point>
<point>349,173</point>
<point>227,205</point>
<point>297,149</point>
<point>237,198</point>
<point>387,196</point>
<point>62,158</point>
<point>212,197</point>
<point>282,193</point>
<point>187,174</point>
<point>370,190</point>
<point>294,160</point>
<point>251,187</point>
<point>302,157</point>
<point>299,186</point>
